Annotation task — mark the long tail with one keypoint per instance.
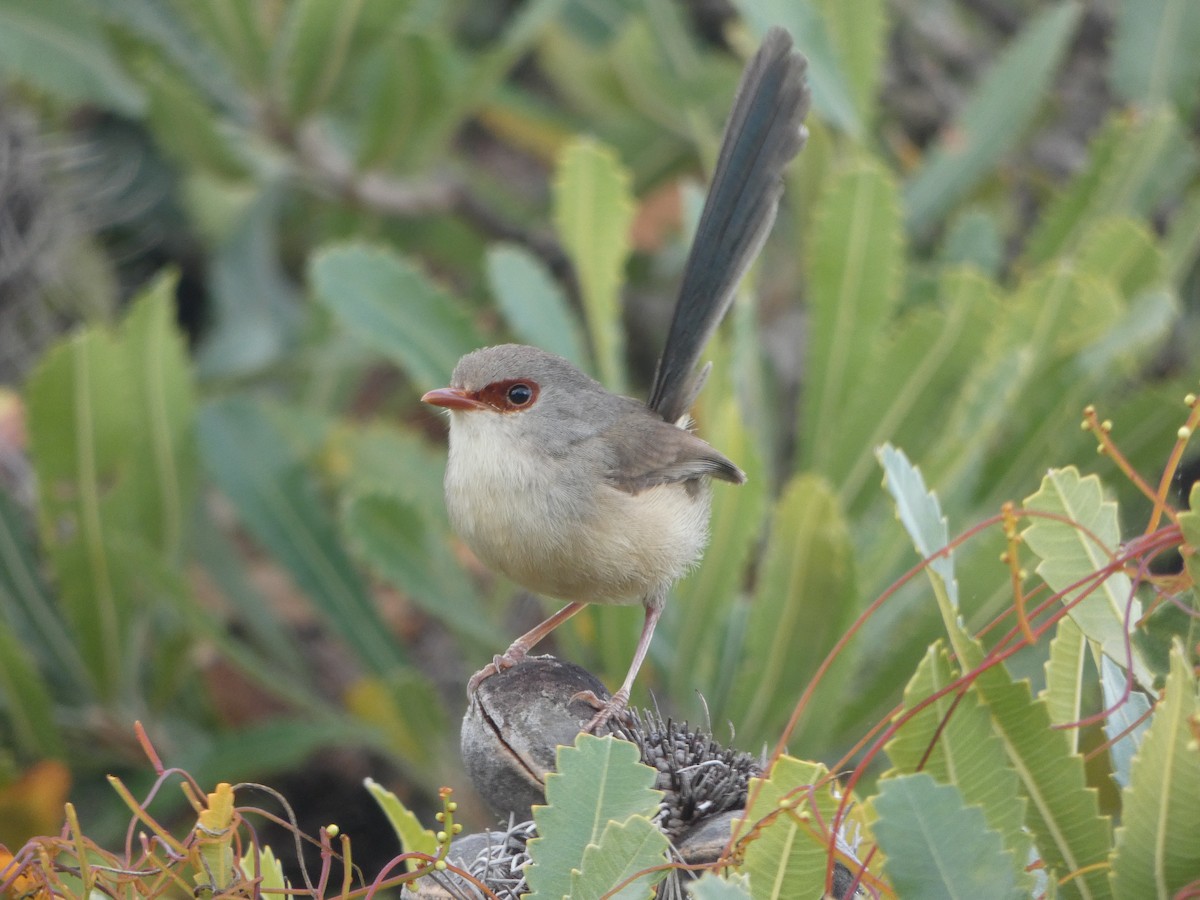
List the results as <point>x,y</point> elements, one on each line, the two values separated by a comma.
<point>765,131</point>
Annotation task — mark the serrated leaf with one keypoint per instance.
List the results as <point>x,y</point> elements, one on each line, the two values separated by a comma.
<point>787,857</point>
<point>1124,251</point>
<point>914,367</point>
<point>262,865</point>
<point>1127,722</point>
<point>709,593</point>
<point>59,46</point>
<point>802,603</point>
<point>386,303</point>
<point>855,270</point>
<point>593,210</point>
<point>859,32</point>
<point>1065,687</point>
<point>939,846</point>
<point>414,838</point>
<point>624,849</point>
<point>1070,553</point>
<point>597,781</point>
<point>1134,162</point>
<point>533,303</point>
<point>1157,852</point>
<point>921,514</point>
<point>1189,524</point>
<point>251,461</point>
<point>166,399</point>
<point>954,740</point>
<point>1152,58</point>
<point>110,419</point>
<point>995,117</point>
<point>710,886</point>
<point>1062,812</point>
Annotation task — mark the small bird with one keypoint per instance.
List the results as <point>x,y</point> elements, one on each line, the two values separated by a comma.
<point>582,495</point>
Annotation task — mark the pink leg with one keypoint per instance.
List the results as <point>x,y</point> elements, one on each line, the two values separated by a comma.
<point>617,703</point>
<point>517,649</point>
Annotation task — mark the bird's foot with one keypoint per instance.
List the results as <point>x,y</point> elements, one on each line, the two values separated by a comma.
<point>606,710</point>
<point>505,660</point>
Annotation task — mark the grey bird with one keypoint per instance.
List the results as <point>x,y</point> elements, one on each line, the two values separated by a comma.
<point>582,495</point>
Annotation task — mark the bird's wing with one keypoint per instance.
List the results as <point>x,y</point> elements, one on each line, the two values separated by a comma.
<point>646,451</point>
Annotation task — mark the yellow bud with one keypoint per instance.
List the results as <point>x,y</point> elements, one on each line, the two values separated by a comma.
<point>332,830</point>
<point>440,865</point>
<point>441,837</point>
<point>1106,426</point>
<point>1184,432</point>
<point>1189,399</point>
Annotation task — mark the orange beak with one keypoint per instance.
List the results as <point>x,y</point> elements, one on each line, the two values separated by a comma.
<point>453,398</point>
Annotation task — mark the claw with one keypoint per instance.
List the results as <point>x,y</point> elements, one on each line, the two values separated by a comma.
<point>614,708</point>
<point>505,660</point>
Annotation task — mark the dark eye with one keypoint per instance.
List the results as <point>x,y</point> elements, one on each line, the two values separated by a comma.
<point>519,394</point>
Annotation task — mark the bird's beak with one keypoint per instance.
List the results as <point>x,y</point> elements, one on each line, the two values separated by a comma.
<point>453,398</point>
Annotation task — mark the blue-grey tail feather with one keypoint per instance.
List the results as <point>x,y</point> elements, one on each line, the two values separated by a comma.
<point>765,131</point>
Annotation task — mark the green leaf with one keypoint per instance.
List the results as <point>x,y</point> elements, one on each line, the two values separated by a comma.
<point>973,239</point>
<point>27,605</point>
<point>59,46</point>
<point>860,33</point>
<point>995,117</point>
<point>391,307</point>
<point>1124,251</point>
<point>413,837</point>
<point>255,308</point>
<point>1134,162</point>
<point>533,303</point>
<point>787,857</point>
<point>598,781</point>
<point>836,93</point>
<point>1157,853</point>
<point>110,419</point>
<point>953,739</point>
<point>1079,542</point>
<point>802,603</point>
<point>939,846</point>
<point>711,886</point>
<point>1062,812</point>
<point>166,401</point>
<point>311,53</point>
<point>251,461</point>
<point>412,553</point>
<point>1189,524</point>
<point>1127,722</point>
<point>1153,58</point>
<point>1065,687</point>
<point>593,211</point>
<point>914,368</point>
<point>624,849</point>
<point>405,87</point>
<point>855,272</point>
<point>921,515</point>
<point>710,592</point>
<point>25,701</point>
<point>262,864</point>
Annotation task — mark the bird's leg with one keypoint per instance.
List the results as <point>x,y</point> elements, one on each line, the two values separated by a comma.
<point>617,702</point>
<point>517,649</point>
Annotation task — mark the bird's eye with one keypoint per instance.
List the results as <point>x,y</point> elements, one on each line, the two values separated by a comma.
<point>519,394</point>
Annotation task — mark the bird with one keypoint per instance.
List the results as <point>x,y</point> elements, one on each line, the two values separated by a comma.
<point>579,494</point>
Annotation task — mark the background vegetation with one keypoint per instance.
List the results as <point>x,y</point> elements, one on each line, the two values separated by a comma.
<point>239,239</point>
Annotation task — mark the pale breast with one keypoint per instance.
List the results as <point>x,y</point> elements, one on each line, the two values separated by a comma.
<point>524,516</point>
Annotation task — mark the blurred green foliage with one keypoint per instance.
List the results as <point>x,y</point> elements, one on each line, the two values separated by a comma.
<point>365,190</point>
